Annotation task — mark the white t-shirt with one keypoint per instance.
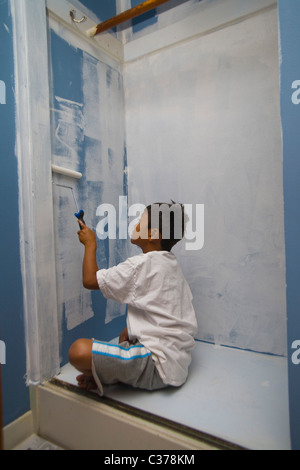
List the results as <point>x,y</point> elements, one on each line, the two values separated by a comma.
<point>160,311</point>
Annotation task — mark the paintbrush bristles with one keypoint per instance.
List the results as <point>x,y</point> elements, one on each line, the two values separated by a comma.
<point>92,32</point>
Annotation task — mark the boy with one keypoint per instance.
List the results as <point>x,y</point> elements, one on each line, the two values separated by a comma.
<point>154,349</point>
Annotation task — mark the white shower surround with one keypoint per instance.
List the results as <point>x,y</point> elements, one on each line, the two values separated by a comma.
<point>182,148</point>
<point>203,127</point>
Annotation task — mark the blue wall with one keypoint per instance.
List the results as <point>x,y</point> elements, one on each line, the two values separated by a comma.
<point>289,16</point>
<point>15,393</point>
<point>106,9</point>
<point>144,20</point>
<point>103,9</point>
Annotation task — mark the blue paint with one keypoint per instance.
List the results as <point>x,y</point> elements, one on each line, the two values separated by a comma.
<point>69,67</point>
<point>145,20</point>
<point>110,157</point>
<point>67,83</point>
<point>289,16</point>
<point>103,9</point>
<point>15,393</point>
<point>66,69</point>
<point>151,17</point>
<point>108,76</point>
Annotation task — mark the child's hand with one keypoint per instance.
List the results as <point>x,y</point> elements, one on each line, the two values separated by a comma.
<point>86,235</point>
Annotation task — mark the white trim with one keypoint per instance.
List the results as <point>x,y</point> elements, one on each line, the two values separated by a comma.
<point>106,41</point>
<point>17,431</point>
<point>206,18</point>
<point>33,149</point>
<point>76,422</point>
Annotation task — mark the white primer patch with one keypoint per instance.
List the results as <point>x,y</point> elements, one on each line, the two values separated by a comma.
<point>89,137</point>
<point>191,110</point>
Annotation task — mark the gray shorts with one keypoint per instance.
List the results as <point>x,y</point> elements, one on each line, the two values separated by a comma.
<point>131,364</point>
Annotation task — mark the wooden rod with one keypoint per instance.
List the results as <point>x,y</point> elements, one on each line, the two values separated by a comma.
<point>125,16</point>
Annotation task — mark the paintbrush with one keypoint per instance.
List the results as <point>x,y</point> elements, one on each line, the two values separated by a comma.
<point>80,213</point>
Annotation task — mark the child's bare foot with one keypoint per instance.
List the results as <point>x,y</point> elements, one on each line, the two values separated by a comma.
<point>87,382</point>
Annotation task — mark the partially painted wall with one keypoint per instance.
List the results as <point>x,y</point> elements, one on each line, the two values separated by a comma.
<point>15,393</point>
<point>161,17</point>
<point>194,94</point>
<point>89,137</point>
<point>203,127</point>
<point>95,10</point>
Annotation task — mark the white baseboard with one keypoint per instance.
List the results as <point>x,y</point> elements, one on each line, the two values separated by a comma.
<point>76,422</point>
<point>18,431</point>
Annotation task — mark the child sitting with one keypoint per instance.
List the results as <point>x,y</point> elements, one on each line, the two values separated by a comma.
<point>154,349</point>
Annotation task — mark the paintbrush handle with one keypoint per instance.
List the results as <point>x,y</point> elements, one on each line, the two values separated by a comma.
<point>79,215</point>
